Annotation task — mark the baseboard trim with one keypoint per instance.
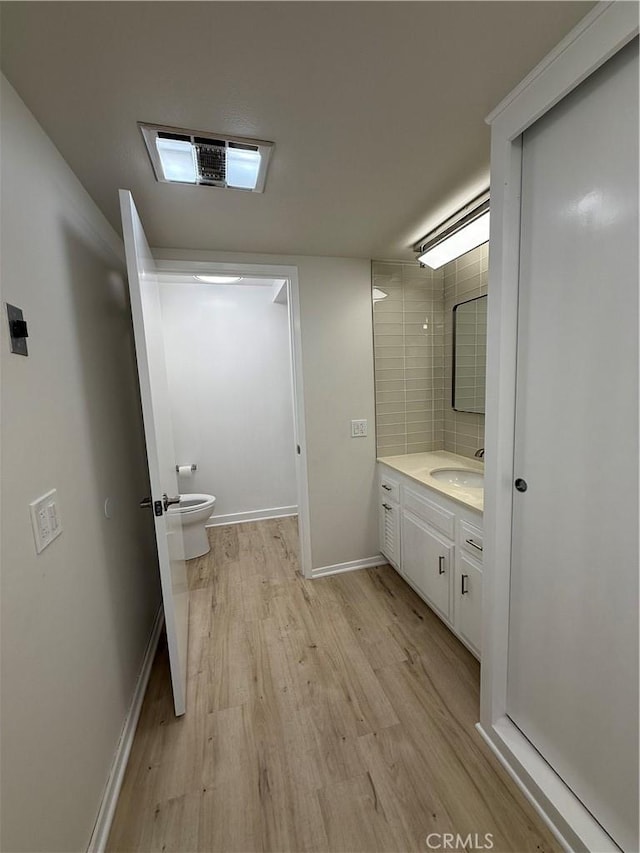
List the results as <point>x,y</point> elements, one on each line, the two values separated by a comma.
<point>102,827</point>
<point>253,515</point>
<point>354,565</point>
<point>567,818</point>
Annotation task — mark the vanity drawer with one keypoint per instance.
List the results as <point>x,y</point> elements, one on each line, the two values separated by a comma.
<point>435,515</point>
<point>389,488</point>
<point>471,539</point>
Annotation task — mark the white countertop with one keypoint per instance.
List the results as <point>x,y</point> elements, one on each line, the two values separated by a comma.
<point>419,465</point>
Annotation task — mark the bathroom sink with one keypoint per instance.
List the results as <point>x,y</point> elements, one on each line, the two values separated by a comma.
<point>462,477</point>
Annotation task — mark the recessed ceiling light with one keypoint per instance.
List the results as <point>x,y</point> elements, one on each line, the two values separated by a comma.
<point>219,279</point>
<point>243,167</point>
<point>192,157</point>
<point>177,160</point>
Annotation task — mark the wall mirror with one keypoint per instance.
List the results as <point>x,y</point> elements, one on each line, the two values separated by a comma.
<point>469,355</point>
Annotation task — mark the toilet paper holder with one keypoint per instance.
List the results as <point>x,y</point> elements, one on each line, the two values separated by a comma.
<point>193,468</point>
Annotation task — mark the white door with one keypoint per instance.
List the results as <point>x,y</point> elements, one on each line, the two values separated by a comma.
<point>161,458</point>
<point>573,629</point>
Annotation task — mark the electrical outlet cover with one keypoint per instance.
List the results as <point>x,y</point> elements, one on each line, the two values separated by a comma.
<point>45,520</point>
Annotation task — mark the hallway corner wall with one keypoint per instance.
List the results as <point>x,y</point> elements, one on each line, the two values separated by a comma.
<point>77,617</point>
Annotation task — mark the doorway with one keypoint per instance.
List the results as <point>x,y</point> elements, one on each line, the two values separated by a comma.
<point>239,412</point>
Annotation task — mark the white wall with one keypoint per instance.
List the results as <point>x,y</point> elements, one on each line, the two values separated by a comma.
<point>337,360</point>
<point>75,619</point>
<point>229,371</point>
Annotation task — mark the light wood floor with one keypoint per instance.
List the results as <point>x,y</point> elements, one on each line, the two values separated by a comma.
<point>327,715</point>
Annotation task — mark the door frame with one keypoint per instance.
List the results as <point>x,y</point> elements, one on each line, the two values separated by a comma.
<point>290,273</point>
<point>598,37</point>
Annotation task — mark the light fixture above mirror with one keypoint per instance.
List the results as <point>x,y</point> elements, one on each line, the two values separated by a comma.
<point>467,229</point>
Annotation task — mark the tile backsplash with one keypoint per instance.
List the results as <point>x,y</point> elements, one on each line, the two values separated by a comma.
<point>408,336</point>
<point>413,341</point>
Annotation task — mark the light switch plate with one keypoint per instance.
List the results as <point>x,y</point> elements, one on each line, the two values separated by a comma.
<point>359,429</point>
<point>45,520</point>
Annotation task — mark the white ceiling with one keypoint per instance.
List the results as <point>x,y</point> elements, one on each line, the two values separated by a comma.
<point>376,108</point>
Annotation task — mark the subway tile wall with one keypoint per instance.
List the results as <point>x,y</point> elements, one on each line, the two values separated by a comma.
<point>408,334</point>
<point>413,349</point>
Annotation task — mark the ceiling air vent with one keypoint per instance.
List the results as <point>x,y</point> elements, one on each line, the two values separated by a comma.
<point>192,157</point>
<point>211,161</point>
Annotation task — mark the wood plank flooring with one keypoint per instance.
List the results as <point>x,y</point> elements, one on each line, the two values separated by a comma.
<point>328,715</point>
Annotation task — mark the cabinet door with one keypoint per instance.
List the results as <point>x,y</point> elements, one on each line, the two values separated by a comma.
<point>468,599</point>
<point>427,560</point>
<point>390,532</point>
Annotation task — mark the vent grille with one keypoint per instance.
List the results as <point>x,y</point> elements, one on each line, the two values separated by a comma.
<point>389,531</point>
<point>211,162</point>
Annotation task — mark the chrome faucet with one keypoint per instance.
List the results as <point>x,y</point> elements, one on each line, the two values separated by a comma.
<point>479,454</point>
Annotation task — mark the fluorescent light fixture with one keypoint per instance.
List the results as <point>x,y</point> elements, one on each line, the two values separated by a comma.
<point>219,279</point>
<point>468,237</point>
<point>206,159</point>
<point>243,166</point>
<point>379,294</point>
<point>177,160</point>
<point>467,229</point>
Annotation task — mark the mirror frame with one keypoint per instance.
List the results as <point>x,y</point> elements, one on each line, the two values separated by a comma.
<point>453,361</point>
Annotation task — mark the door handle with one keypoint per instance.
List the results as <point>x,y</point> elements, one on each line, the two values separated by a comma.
<point>384,486</point>
<point>473,544</point>
<point>464,589</point>
<point>441,565</point>
<point>521,485</point>
<point>387,507</point>
<point>149,503</point>
<point>167,501</point>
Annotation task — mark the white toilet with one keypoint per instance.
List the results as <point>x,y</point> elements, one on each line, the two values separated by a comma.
<point>194,513</point>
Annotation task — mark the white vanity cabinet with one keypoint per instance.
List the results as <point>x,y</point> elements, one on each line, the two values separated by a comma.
<point>436,544</point>
<point>389,518</point>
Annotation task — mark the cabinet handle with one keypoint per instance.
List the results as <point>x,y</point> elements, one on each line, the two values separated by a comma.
<point>440,565</point>
<point>464,589</point>
<point>386,506</point>
<point>473,544</point>
<point>384,486</point>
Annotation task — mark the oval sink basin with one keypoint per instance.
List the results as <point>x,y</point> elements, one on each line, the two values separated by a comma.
<point>464,478</point>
